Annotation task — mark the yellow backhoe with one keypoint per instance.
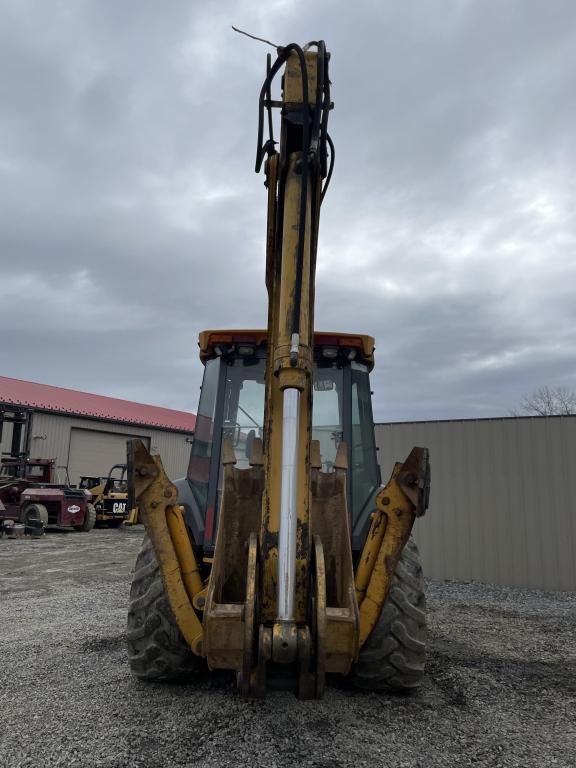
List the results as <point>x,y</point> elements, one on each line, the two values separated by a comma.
<point>282,556</point>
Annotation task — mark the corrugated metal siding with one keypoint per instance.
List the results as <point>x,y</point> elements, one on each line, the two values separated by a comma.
<point>503,501</point>
<point>93,451</point>
<point>171,446</point>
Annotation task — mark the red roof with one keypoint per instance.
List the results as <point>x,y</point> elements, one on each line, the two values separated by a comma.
<point>47,398</point>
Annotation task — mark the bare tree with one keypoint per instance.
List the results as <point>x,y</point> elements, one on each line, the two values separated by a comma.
<point>547,401</point>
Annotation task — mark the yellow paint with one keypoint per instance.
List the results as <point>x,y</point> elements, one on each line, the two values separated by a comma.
<point>389,532</point>
<point>184,552</point>
<point>293,78</point>
<point>157,498</point>
<point>282,374</point>
<point>373,542</point>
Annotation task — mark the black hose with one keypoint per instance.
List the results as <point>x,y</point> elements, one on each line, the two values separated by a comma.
<point>295,326</point>
<point>325,113</point>
<point>269,96</point>
<point>331,168</point>
<point>282,57</point>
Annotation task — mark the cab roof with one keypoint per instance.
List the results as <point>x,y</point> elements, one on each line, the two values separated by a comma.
<point>361,343</point>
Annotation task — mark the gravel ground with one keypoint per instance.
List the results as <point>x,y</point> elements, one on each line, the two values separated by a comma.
<point>500,688</point>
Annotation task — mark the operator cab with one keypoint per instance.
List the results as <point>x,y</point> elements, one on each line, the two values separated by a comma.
<point>116,481</point>
<point>33,470</point>
<point>232,406</point>
<point>90,481</point>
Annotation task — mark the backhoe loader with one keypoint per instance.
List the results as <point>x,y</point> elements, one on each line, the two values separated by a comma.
<point>281,556</point>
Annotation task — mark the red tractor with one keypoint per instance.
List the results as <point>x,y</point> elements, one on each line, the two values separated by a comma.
<point>29,495</point>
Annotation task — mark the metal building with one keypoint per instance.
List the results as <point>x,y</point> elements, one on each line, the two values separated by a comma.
<point>87,433</point>
<point>503,498</point>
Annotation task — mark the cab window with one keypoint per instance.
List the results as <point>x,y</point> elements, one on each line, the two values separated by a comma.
<point>365,471</point>
<point>202,445</point>
<point>327,413</point>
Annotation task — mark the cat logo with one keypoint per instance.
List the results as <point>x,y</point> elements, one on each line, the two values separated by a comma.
<point>73,509</point>
<point>119,508</point>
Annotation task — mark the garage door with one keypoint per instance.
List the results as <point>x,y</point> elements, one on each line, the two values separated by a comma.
<point>93,452</point>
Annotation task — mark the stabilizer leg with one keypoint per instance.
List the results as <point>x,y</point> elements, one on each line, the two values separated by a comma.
<point>157,501</point>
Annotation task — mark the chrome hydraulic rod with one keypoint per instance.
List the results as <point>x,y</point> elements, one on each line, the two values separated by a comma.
<point>288,501</point>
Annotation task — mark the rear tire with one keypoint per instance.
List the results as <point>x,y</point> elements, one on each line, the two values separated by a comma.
<point>394,655</point>
<point>89,519</point>
<point>156,648</point>
<point>36,512</point>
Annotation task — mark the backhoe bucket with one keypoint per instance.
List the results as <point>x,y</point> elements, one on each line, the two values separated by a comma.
<point>230,612</point>
<point>234,635</point>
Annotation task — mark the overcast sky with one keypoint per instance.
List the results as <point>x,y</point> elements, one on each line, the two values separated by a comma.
<point>131,217</point>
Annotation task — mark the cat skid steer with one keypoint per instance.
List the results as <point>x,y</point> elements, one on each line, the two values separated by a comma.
<point>281,556</point>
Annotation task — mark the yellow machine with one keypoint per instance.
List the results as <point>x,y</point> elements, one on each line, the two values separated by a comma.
<point>281,555</point>
<point>109,496</point>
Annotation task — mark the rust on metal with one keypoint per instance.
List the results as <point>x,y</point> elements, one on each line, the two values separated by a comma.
<point>250,617</point>
<point>232,588</point>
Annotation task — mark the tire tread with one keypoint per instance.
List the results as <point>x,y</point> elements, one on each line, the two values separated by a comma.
<point>89,519</point>
<point>393,657</point>
<point>156,648</point>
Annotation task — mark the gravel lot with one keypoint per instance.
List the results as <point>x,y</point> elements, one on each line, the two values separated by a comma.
<point>500,688</point>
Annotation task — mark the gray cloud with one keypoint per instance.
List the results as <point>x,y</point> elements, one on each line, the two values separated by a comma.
<point>131,218</point>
